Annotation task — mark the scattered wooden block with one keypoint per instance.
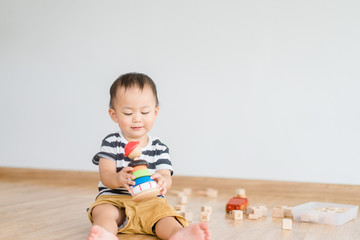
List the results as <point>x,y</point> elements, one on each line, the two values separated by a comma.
<point>175,192</point>
<point>264,210</point>
<point>237,215</point>
<point>180,194</point>
<point>207,209</point>
<point>209,192</point>
<point>182,199</point>
<point>204,217</point>
<point>249,210</point>
<point>287,224</point>
<point>180,208</point>
<point>257,212</point>
<point>288,212</point>
<point>188,216</point>
<point>253,216</point>
<point>187,191</point>
<point>278,212</point>
<point>213,193</point>
<point>180,213</point>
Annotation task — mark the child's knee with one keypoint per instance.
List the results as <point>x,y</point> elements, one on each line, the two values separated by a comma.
<point>108,211</point>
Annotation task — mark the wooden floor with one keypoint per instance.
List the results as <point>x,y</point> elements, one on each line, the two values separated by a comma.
<point>44,204</point>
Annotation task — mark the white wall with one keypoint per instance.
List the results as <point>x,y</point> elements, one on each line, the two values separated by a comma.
<point>248,89</point>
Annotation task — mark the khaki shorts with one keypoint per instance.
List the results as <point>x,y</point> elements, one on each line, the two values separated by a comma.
<point>142,216</point>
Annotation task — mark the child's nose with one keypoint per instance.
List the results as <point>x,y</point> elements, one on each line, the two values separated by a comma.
<point>136,118</point>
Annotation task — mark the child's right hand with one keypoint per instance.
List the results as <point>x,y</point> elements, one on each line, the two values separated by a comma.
<point>126,178</point>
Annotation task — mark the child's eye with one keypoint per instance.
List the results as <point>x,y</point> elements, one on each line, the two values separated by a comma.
<point>145,112</point>
<point>127,114</point>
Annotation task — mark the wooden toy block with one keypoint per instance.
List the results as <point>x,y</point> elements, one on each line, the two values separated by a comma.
<point>258,212</point>
<point>264,210</point>
<point>188,216</point>
<point>187,191</point>
<point>249,210</point>
<point>237,215</point>
<point>287,224</point>
<point>253,216</point>
<point>210,192</point>
<point>180,208</point>
<point>288,212</point>
<point>180,213</point>
<point>176,193</point>
<point>182,199</point>
<point>331,209</point>
<point>180,194</point>
<point>278,212</point>
<point>204,217</point>
<point>207,209</point>
<point>240,192</point>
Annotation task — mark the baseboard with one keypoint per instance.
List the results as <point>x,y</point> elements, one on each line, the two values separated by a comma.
<point>49,176</point>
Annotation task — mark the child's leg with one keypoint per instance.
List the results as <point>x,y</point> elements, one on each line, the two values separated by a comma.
<point>108,216</point>
<point>170,228</point>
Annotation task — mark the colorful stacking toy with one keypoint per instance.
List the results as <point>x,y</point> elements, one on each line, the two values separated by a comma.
<point>145,188</point>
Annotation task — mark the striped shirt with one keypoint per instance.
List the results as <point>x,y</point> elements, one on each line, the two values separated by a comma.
<point>155,153</point>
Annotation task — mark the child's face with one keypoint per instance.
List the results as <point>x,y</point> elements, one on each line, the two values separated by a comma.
<point>135,112</point>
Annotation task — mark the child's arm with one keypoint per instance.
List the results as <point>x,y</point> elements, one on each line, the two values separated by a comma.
<point>112,179</point>
<point>163,179</point>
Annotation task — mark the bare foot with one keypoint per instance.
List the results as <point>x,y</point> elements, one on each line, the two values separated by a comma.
<point>99,233</point>
<point>199,231</point>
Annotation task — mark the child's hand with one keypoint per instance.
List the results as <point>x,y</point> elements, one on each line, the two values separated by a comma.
<point>160,180</point>
<point>126,177</point>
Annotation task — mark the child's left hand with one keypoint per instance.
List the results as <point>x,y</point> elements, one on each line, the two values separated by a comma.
<point>161,182</point>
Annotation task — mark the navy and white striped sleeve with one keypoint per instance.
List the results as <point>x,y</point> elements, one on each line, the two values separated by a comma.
<point>107,150</point>
<point>163,156</point>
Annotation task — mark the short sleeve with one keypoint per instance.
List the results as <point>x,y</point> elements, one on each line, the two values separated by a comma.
<point>107,150</point>
<point>163,157</point>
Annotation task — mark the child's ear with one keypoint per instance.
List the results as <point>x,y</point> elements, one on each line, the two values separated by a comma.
<point>156,110</point>
<point>112,115</point>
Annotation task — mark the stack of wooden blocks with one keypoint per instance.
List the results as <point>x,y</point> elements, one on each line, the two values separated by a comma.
<point>181,206</point>
<point>205,213</point>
